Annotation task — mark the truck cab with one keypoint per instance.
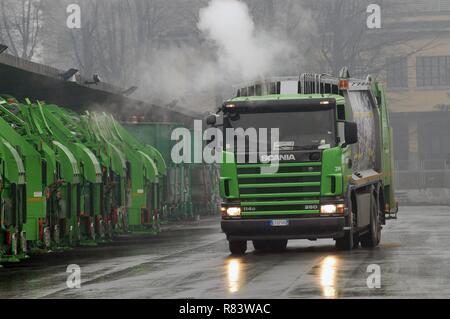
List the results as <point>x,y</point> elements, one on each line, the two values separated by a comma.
<point>310,157</point>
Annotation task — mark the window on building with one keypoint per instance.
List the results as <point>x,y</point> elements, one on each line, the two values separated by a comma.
<point>433,71</point>
<point>434,136</point>
<point>397,72</point>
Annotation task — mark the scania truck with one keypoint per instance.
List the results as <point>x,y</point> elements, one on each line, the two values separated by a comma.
<point>328,172</point>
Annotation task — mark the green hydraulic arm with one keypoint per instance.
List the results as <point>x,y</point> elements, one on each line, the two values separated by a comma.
<point>13,246</point>
<point>66,131</point>
<point>154,168</point>
<point>63,201</point>
<point>136,183</point>
<point>33,163</point>
<point>387,160</point>
<point>151,151</point>
<point>115,168</point>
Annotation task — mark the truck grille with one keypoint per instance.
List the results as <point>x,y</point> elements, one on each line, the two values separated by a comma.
<point>293,190</point>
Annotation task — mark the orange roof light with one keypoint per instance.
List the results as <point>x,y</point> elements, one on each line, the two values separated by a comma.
<point>343,84</point>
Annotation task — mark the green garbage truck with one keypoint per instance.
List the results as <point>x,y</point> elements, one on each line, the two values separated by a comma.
<point>323,168</point>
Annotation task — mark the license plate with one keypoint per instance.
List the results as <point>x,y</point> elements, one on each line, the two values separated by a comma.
<point>279,222</point>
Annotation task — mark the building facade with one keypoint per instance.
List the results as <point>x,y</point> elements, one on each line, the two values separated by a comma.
<point>417,77</point>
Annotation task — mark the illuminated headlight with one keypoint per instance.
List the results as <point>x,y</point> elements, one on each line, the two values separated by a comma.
<point>328,209</point>
<point>332,209</point>
<point>234,211</point>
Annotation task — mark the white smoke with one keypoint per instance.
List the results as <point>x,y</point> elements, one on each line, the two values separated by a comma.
<point>243,51</point>
<point>199,76</point>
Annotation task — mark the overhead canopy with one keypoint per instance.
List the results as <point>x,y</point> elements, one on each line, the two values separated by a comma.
<point>21,79</point>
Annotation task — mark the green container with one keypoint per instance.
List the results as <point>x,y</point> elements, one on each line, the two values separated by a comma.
<point>156,134</point>
<point>190,189</point>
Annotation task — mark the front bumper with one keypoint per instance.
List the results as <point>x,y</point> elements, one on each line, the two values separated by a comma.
<point>297,228</point>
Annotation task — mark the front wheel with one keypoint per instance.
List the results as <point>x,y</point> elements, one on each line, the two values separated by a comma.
<point>237,247</point>
<point>346,242</point>
<point>260,245</point>
<point>372,238</point>
<point>278,245</point>
<point>356,241</point>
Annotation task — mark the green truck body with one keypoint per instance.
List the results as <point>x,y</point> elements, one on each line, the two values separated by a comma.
<point>13,202</point>
<point>329,175</point>
<point>69,179</point>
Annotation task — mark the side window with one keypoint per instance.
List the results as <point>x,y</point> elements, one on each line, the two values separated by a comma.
<point>341,112</point>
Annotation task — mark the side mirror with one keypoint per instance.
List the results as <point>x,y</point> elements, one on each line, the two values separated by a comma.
<point>211,120</point>
<point>351,133</point>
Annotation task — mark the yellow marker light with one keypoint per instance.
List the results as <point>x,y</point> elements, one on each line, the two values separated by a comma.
<point>340,208</point>
<point>234,211</point>
<point>344,85</point>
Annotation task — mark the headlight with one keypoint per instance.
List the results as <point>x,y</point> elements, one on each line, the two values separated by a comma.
<point>234,211</point>
<point>328,209</point>
<point>332,209</point>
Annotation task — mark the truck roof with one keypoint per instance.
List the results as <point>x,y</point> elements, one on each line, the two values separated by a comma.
<point>273,97</point>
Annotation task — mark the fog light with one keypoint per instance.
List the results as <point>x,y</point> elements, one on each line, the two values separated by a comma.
<point>234,211</point>
<point>328,209</point>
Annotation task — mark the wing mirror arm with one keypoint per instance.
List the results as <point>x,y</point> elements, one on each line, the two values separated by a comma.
<point>211,120</point>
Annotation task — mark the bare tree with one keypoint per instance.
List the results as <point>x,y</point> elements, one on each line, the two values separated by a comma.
<point>115,36</point>
<point>342,38</point>
<point>129,33</point>
<point>21,26</point>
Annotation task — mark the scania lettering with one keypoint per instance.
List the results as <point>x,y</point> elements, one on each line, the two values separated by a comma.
<point>277,158</point>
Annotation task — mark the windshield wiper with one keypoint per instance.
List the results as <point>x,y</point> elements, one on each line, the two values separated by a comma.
<point>306,147</point>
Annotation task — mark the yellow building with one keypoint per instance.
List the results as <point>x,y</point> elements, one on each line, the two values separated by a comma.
<point>417,75</point>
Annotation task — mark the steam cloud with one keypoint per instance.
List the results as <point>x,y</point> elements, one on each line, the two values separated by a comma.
<point>236,51</point>
<point>243,51</point>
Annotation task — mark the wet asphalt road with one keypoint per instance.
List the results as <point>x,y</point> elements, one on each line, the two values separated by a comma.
<point>192,261</point>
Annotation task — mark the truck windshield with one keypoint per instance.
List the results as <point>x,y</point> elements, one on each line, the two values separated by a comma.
<point>298,130</point>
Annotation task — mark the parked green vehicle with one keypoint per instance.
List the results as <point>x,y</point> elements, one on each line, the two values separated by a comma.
<point>146,196</point>
<point>31,228</point>
<point>12,204</point>
<point>68,179</point>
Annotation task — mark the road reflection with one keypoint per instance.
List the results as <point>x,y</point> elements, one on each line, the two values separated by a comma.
<point>328,274</point>
<point>234,274</point>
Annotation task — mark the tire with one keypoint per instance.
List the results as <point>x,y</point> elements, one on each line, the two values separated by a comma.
<point>237,247</point>
<point>345,243</point>
<point>356,241</point>
<point>278,245</point>
<point>47,238</point>
<point>260,245</point>
<point>372,238</point>
<point>350,239</point>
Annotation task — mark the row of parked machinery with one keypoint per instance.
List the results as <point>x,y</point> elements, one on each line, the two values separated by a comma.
<point>68,179</point>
